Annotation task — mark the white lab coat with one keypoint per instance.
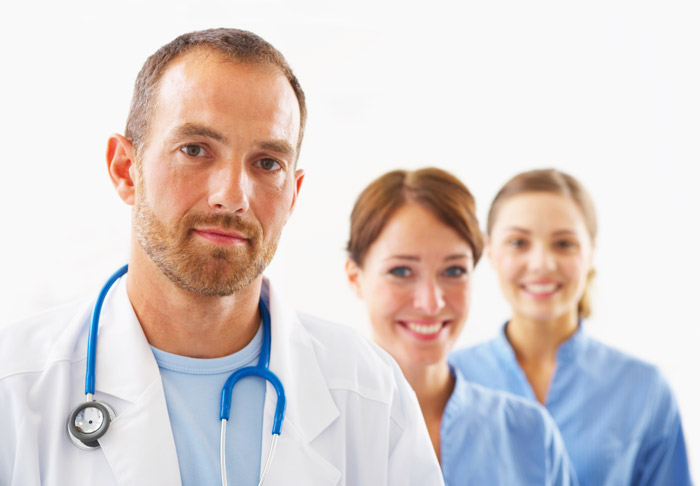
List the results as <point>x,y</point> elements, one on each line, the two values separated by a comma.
<point>351,417</point>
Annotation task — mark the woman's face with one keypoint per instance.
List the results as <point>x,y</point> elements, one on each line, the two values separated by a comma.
<point>542,252</point>
<point>415,281</point>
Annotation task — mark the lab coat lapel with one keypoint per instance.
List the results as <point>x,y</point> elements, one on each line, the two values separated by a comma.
<point>310,406</point>
<point>139,444</point>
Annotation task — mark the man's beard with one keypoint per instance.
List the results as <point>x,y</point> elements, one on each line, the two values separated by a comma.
<point>196,266</point>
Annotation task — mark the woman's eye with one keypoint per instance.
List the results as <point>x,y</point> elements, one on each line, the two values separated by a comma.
<point>269,164</point>
<point>401,272</point>
<point>455,271</point>
<point>565,244</point>
<point>193,150</point>
<point>517,243</point>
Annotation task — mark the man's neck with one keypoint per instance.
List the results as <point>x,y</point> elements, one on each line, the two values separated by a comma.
<point>182,322</point>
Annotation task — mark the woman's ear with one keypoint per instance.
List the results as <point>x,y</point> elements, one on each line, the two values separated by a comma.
<point>120,160</point>
<point>353,272</point>
<point>487,248</point>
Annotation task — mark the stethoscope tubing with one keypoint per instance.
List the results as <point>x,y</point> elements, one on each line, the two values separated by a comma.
<point>92,335</point>
<point>260,370</point>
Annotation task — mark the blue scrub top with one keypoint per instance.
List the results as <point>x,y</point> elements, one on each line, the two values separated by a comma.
<point>617,414</point>
<point>493,438</point>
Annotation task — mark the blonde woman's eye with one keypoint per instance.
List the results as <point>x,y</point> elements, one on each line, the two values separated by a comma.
<point>517,243</point>
<point>401,272</point>
<point>193,150</point>
<point>269,164</point>
<point>565,244</point>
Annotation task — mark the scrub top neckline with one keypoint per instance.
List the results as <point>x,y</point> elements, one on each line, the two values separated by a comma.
<point>567,351</point>
<point>566,354</point>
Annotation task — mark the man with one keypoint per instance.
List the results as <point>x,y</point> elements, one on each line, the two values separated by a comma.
<point>208,162</point>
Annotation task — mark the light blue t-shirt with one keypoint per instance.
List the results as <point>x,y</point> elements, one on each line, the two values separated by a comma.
<point>488,437</point>
<point>617,414</point>
<point>193,396</point>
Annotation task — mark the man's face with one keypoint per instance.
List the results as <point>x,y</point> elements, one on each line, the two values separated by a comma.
<point>216,179</point>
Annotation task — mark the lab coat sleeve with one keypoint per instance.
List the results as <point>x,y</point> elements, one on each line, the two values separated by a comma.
<point>412,460</point>
<point>663,459</point>
<point>9,436</point>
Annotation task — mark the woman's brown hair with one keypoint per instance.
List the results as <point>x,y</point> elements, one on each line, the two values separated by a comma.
<point>554,182</point>
<point>434,189</point>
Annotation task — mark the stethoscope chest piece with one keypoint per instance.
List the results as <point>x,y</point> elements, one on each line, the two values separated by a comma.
<point>88,422</point>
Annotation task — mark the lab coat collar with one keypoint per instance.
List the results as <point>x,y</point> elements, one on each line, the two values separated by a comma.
<point>139,445</point>
<point>310,406</point>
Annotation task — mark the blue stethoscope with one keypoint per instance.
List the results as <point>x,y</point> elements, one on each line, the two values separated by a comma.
<point>90,420</point>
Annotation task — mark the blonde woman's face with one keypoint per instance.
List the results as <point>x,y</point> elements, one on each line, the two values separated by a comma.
<point>415,281</point>
<point>542,251</point>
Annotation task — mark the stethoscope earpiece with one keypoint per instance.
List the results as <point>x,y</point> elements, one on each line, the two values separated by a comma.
<point>88,422</point>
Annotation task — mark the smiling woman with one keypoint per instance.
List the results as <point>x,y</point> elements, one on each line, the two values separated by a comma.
<point>414,242</point>
<point>617,415</point>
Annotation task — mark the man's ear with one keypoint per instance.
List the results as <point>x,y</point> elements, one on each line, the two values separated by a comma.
<point>353,270</point>
<point>121,160</point>
<point>298,180</point>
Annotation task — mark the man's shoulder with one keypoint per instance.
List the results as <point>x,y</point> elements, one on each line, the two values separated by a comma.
<point>30,344</point>
<point>349,360</point>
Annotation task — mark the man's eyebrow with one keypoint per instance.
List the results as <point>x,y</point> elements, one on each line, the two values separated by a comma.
<point>279,146</point>
<point>197,130</point>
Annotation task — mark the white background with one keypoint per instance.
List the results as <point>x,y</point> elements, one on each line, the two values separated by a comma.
<point>607,91</point>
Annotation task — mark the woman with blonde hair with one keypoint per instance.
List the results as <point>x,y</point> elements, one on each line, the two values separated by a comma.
<point>617,414</point>
<point>414,242</point>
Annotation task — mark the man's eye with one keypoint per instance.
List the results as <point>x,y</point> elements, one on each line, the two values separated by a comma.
<point>269,164</point>
<point>193,150</point>
<point>401,272</point>
<point>455,271</point>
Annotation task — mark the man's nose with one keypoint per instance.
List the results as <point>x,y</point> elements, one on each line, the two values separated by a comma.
<point>229,188</point>
<point>429,297</point>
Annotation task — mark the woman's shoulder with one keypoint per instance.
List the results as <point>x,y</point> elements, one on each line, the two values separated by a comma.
<point>486,352</point>
<point>486,407</point>
<point>606,360</point>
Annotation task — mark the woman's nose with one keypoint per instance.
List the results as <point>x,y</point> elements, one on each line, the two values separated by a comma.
<point>429,297</point>
<point>541,259</point>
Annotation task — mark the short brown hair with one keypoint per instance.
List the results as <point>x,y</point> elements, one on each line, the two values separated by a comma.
<point>235,44</point>
<point>436,190</point>
<point>554,182</point>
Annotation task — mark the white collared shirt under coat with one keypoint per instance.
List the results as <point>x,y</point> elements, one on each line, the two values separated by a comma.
<point>351,417</point>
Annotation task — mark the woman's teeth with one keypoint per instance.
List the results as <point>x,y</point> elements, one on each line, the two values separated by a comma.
<point>541,288</point>
<point>424,328</point>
